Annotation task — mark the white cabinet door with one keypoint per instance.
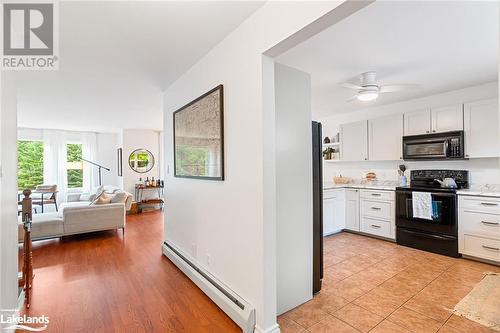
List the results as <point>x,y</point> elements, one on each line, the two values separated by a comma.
<point>352,209</point>
<point>481,129</point>
<point>354,139</point>
<point>385,138</point>
<point>333,211</point>
<point>447,118</point>
<point>328,216</point>
<point>417,122</point>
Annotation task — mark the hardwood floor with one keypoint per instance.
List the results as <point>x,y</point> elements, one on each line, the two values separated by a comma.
<point>107,282</point>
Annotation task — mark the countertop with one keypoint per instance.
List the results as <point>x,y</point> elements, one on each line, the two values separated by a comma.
<point>487,190</point>
<point>387,185</point>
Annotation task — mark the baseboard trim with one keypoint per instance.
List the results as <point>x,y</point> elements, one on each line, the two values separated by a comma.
<point>242,313</point>
<point>272,329</point>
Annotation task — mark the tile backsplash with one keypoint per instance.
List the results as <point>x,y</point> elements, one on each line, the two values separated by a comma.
<point>481,170</point>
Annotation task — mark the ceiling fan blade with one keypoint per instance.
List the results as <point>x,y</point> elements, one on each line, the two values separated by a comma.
<point>397,87</point>
<point>350,86</point>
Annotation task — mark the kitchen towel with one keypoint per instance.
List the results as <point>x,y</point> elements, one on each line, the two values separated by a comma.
<point>422,205</point>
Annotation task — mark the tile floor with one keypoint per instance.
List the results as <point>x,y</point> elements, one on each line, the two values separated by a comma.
<point>371,285</point>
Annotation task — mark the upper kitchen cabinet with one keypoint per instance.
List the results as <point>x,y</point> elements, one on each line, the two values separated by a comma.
<point>447,118</point>
<point>354,139</point>
<point>435,120</point>
<point>384,138</point>
<point>417,122</point>
<point>481,128</point>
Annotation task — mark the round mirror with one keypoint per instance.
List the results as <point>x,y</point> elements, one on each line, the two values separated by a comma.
<point>141,160</point>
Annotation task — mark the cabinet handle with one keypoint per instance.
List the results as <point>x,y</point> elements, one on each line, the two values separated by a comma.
<point>376,194</point>
<point>467,155</point>
<point>426,131</point>
<point>489,204</point>
<point>490,223</point>
<point>376,208</point>
<point>491,248</point>
<point>433,131</point>
<point>377,226</point>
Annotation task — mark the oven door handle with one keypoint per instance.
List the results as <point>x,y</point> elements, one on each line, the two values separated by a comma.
<point>434,194</point>
<point>429,236</point>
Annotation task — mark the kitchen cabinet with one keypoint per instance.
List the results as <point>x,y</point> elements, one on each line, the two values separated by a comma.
<point>479,227</point>
<point>377,213</point>
<point>385,138</point>
<point>333,211</point>
<point>481,129</point>
<point>447,118</point>
<point>435,120</point>
<point>354,140</point>
<point>352,209</point>
<point>417,122</point>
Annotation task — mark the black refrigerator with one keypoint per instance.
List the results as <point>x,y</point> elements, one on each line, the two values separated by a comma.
<point>317,164</point>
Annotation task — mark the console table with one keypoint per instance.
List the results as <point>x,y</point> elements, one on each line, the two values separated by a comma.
<point>139,194</point>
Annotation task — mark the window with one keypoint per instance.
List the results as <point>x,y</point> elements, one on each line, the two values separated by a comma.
<point>74,165</point>
<point>29,164</point>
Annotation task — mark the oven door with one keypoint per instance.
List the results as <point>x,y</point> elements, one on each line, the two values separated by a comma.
<point>435,148</point>
<point>444,213</point>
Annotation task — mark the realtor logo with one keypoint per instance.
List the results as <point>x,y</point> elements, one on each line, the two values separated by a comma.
<point>29,39</point>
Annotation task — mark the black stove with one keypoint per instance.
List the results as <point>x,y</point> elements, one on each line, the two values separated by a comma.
<point>438,234</point>
<point>425,180</point>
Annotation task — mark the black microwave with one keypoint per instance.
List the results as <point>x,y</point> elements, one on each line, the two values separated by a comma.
<point>436,146</point>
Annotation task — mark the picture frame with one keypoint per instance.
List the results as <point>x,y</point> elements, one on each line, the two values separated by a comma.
<point>198,130</point>
<point>120,162</point>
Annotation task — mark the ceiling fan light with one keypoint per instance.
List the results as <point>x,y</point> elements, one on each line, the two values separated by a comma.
<point>366,96</point>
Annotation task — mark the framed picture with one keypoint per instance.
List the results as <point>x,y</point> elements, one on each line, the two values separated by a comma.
<point>199,137</point>
<point>120,166</point>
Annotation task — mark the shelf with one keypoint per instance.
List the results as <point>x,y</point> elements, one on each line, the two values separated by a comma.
<point>331,144</point>
<point>331,161</point>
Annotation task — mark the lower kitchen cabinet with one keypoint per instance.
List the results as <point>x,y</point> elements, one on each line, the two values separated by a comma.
<point>333,211</point>
<point>352,209</point>
<point>377,213</point>
<point>367,211</point>
<point>479,227</point>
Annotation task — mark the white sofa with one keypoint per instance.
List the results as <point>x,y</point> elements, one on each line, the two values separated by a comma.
<point>77,217</point>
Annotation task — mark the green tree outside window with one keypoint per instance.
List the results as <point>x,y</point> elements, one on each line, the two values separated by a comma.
<point>29,164</point>
<point>75,166</point>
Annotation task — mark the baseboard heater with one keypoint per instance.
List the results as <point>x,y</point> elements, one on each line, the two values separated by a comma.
<point>241,312</point>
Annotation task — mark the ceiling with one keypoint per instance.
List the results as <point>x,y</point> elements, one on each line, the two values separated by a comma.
<point>116,58</point>
<point>440,46</point>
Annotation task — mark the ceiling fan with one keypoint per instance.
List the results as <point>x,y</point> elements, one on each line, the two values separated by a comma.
<point>369,89</point>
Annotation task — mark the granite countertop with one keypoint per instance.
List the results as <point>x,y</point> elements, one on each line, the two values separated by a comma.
<point>486,190</point>
<point>387,185</point>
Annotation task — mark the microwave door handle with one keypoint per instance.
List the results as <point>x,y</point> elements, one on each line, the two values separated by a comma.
<point>446,150</point>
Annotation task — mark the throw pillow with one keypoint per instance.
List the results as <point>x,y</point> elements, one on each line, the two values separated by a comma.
<point>119,197</point>
<point>96,197</point>
<point>102,199</point>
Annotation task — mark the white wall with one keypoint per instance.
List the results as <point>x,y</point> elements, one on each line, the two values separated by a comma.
<point>107,155</point>
<point>226,219</point>
<point>482,171</point>
<point>294,211</point>
<point>8,190</point>
<point>131,140</point>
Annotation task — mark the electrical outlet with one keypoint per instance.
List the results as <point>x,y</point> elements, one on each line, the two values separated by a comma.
<point>208,259</point>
